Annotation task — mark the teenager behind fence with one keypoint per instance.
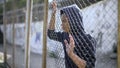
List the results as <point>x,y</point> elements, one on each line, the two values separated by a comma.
<point>79,47</point>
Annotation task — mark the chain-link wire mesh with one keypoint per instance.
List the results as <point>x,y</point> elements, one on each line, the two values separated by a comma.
<point>100,21</point>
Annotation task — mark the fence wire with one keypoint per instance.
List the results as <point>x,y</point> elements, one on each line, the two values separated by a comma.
<point>100,21</point>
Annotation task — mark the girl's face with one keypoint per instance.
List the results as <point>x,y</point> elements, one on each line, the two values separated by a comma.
<point>65,24</point>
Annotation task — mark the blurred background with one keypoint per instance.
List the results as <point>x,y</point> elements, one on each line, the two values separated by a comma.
<point>100,18</point>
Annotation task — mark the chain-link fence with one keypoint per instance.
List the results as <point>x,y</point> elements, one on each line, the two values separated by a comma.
<point>100,21</point>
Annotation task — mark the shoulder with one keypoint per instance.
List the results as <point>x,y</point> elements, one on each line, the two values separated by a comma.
<point>92,41</point>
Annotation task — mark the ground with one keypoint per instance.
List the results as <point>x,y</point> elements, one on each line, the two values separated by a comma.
<point>103,60</point>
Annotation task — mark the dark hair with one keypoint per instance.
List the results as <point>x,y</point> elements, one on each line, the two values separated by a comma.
<point>61,12</point>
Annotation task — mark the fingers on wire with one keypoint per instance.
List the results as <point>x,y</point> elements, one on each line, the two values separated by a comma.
<point>67,45</point>
<point>72,43</point>
<point>54,5</point>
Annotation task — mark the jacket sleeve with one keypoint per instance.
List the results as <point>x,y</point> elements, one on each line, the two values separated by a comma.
<point>57,36</point>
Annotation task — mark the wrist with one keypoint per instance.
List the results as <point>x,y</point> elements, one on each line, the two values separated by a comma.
<point>53,11</point>
<point>53,14</point>
<point>71,54</point>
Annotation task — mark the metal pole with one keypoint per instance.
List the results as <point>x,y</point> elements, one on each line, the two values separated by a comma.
<point>13,34</point>
<point>118,47</point>
<point>28,22</point>
<point>45,34</point>
<point>4,32</point>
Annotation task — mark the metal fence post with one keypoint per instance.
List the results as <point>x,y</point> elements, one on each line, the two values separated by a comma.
<point>45,34</point>
<point>4,32</point>
<point>13,33</point>
<point>118,47</point>
<point>27,36</point>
